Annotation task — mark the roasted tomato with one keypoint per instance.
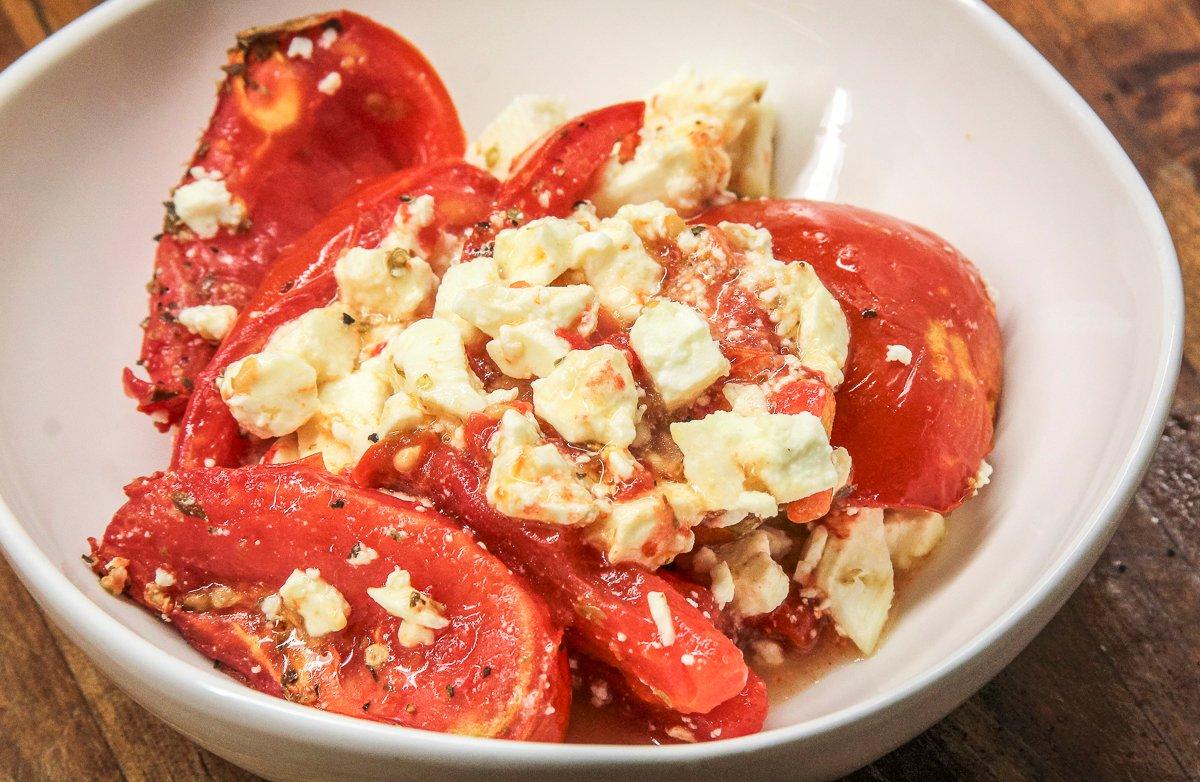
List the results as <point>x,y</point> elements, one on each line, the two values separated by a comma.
<point>604,607</point>
<point>917,431</point>
<point>204,549</point>
<point>557,171</point>
<point>741,715</point>
<point>309,110</point>
<point>302,279</point>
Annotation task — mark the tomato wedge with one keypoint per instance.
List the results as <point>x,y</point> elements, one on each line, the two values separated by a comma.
<point>916,432</point>
<point>741,715</point>
<point>302,279</point>
<point>204,548</point>
<point>289,144</point>
<point>604,607</point>
<point>557,171</point>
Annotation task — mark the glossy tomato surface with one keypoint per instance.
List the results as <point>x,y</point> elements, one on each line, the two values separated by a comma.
<point>226,539</point>
<point>916,431</point>
<point>289,147</point>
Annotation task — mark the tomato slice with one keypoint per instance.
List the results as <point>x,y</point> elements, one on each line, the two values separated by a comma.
<point>917,432</point>
<point>741,715</point>
<point>794,623</point>
<point>204,548</point>
<point>557,171</point>
<point>604,607</point>
<point>289,147</point>
<point>302,279</point>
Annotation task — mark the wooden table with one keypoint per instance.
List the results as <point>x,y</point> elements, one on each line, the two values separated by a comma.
<point>1111,688</point>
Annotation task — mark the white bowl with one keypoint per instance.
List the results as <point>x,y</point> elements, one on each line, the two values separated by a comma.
<point>935,111</point>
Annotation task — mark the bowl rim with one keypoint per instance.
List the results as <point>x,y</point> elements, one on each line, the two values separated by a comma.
<point>212,693</point>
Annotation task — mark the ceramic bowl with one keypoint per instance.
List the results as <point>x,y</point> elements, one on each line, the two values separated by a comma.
<point>933,110</point>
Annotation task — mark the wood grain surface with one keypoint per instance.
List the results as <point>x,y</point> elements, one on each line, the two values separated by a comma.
<point>1110,690</point>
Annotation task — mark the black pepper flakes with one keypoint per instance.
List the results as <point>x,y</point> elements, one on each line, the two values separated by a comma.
<point>487,671</point>
<point>373,437</point>
<point>450,690</point>
<point>347,319</point>
<point>869,313</point>
<point>338,504</point>
<point>406,198</point>
<point>188,505</point>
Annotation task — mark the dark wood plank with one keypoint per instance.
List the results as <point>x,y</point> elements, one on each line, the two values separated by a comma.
<point>47,730</point>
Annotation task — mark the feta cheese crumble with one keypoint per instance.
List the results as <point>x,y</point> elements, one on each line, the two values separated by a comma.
<point>660,612</point>
<point>520,124</point>
<point>420,614</point>
<point>301,48</point>
<point>208,321</point>
<point>900,354</point>
<point>205,205</point>
<point>318,603</point>
<point>330,83</point>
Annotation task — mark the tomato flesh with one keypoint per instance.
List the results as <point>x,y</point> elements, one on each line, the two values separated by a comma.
<point>229,538</point>
<point>916,433</point>
<point>289,152</point>
<point>302,279</point>
<point>604,607</point>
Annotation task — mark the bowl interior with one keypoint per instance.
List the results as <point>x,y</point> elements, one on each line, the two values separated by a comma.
<point>906,108</point>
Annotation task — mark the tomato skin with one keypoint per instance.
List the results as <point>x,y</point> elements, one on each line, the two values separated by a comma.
<point>916,433</point>
<point>741,715</point>
<point>289,153</point>
<point>603,606</point>
<point>494,671</point>
<point>554,174</point>
<point>794,623</point>
<point>302,279</point>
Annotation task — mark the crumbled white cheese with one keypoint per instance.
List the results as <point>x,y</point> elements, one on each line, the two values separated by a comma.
<point>520,124</point>
<point>301,48</point>
<point>760,584</point>
<point>431,356</point>
<point>455,284</point>
<point>911,535</point>
<point>615,262</point>
<point>164,578</point>
<point>660,612</point>
<point>700,137</point>
<point>654,221</point>
<point>642,530</point>
<point>900,354</point>
<point>362,554</point>
<point>208,321</point>
<point>322,338</point>
<point>537,252</point>
<point>590,397</point>
<point>349,414</point>
<point>270,394</point>
<point>394,285</point>
<point>330,83</point>
<point>490,306</point>
<point>983,477</point>
<point>675,346</point>
<point>752,463</point>
<point>328,37</point>
<point>319,604</point>
<point>856,576</point>
<point>420,615</point>
<point>527,350</point>
<point>532,479</point>
<point>205,205</point>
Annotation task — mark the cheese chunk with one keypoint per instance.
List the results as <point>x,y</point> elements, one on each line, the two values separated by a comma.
<point>490,306</point>
<point>590,397</point>
<point>322,338</point>
<point>431,356</point>
<point>412,217</point>
<point>205,205</point>
<point>654,221</point>
<point>392,285</point>
<point>527,350</point>
<point>349,415</point>
<point>701,137</point>
<point>532,479</point>
<point>644,530</point>
<point>675,346</point>
<point>319,604</point>
<point>752,463</point>
<point>420,614</point>
<point>457,281</point>
<point>911,535</point>
<point>537,252</point>
<point>855,574</point>
<point>805,313</point>
<point>208,321</point>
<point>760,584</point>
<point>514,129</point>
<point>616,264</point>
<point>270,394</point>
